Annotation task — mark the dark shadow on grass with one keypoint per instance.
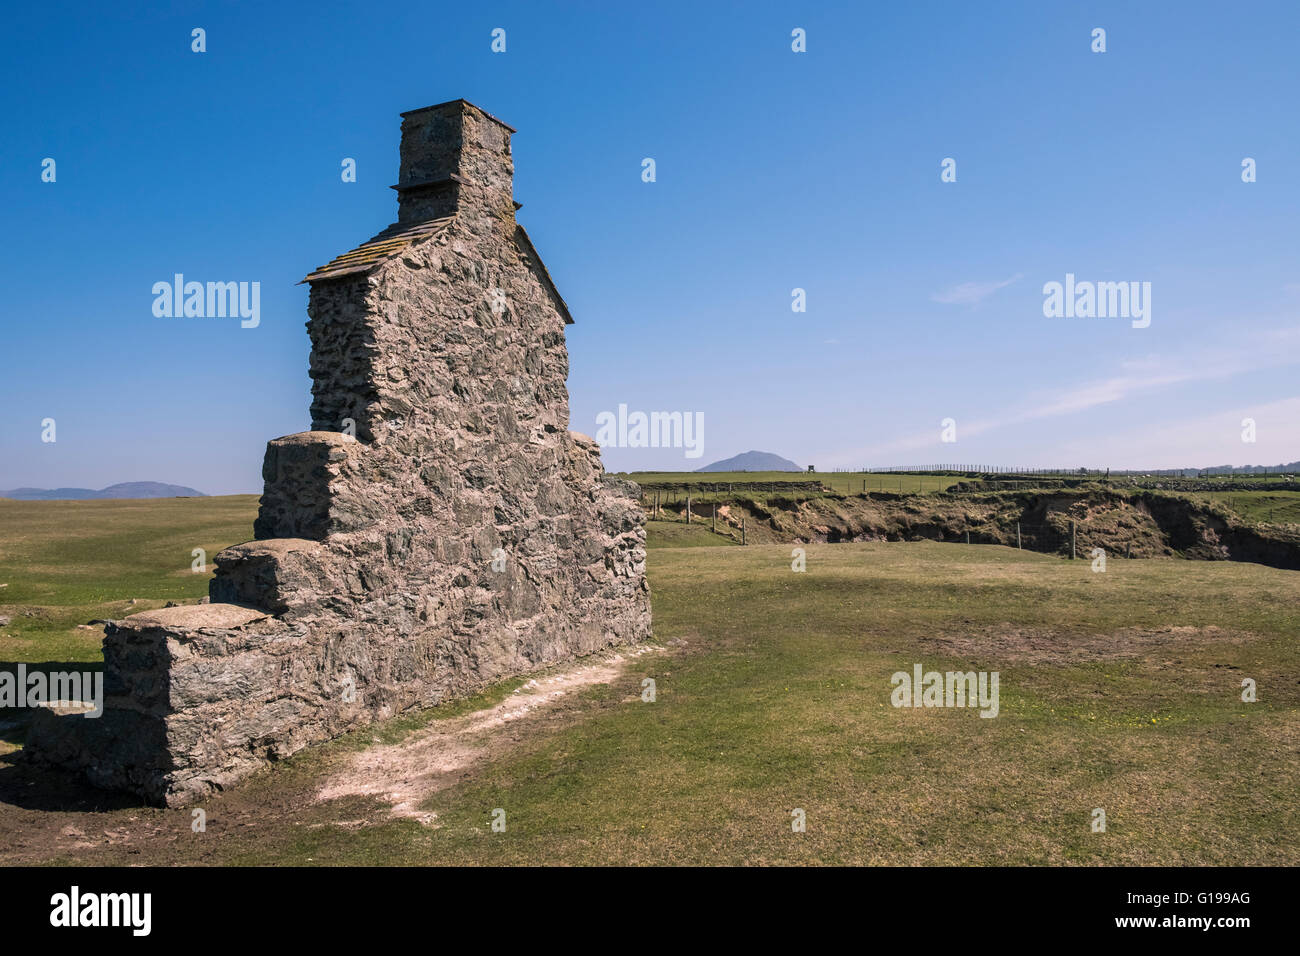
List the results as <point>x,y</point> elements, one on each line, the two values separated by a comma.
<point>32,786</point>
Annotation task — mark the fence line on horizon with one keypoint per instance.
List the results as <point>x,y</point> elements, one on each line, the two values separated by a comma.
<point>959,469</point>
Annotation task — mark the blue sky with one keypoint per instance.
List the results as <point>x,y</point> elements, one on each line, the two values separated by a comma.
<point>775,170</point>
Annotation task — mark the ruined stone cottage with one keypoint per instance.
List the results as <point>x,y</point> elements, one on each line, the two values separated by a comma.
<point>438,529</point>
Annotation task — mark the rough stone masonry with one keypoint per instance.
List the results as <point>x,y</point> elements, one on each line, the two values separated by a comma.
<point>438,529</point>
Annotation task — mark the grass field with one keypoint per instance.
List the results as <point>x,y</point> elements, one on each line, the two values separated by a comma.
<point>678,534</point>
<point>845,482</point>
<point>63,563</point>
<point>1264,507</point>
<point>1249,479</point>
<point>1119,691</point>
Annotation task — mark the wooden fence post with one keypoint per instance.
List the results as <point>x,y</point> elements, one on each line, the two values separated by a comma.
<point>742,530</point>
<point>715,517</point>
<point>968,535</point>
<point>1072,541</point>
<point>1018,534</point>
<point>688,508</point>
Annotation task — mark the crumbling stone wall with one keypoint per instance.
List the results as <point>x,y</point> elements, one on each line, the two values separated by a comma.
<point>438,529</point>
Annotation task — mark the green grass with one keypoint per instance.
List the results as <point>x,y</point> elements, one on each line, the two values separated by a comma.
<point>1242,478</point>
<point>678,534</point>
<point>773,694</point>
<point>844,482</point>
<point>1263,507</point>
<point>64,563</point>
<point>783,704</point>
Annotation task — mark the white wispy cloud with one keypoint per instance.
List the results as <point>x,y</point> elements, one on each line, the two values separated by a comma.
<point>1202,441</point>
<point>971,293</point>
<point>1135,378</point>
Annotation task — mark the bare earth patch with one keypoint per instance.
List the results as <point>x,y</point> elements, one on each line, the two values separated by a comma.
<point>1029,645</point>
<point>408,773</point>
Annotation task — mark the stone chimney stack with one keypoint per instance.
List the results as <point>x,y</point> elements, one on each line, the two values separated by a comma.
<point>376,564</point>
<point>455,161</point>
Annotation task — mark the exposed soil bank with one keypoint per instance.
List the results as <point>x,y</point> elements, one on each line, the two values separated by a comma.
<point>1139,524</point>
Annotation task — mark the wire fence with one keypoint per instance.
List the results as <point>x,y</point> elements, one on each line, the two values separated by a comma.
<point>993,471</point>
<point>975,471</point>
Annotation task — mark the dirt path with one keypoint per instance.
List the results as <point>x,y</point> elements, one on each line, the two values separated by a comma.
<point>47,815</point>
<point>405,775</point>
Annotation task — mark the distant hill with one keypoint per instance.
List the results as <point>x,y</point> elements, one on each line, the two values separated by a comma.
<point>1250,469</point>
<point>127,489</point>
<point>1291,467</point>
<point>753,461</point>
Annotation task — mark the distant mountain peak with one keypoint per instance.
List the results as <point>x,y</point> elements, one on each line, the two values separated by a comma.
<point>753,461</point>
<point>125,489</point>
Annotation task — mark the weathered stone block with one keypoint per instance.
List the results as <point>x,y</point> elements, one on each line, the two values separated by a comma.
<point>273,575</point>
<point>300,472</point>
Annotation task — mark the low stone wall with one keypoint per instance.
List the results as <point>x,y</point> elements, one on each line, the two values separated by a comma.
<point>303,643</point>
<point>166,707</point>
<point>197,697</point>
